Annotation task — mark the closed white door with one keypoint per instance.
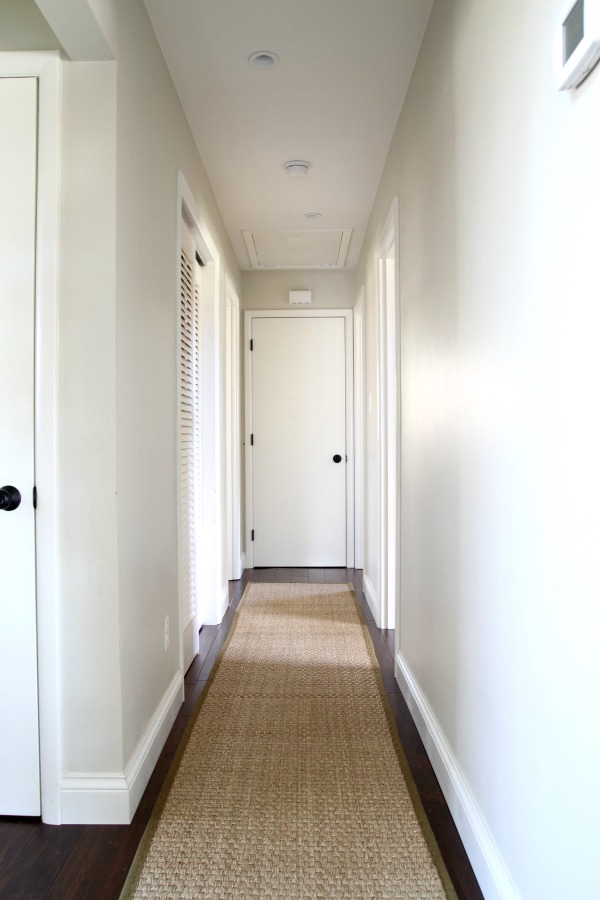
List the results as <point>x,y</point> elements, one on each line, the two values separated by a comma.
<point>299,441</point>
<point>19,746</point>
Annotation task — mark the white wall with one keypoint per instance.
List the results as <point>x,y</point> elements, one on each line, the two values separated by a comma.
<point>23,27</point>
<point>497,178</point>
<point>124,138</point>
<point>270,290</point>
<point>91,735</point>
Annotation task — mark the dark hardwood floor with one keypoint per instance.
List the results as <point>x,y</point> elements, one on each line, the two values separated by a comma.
<point>91,861</point>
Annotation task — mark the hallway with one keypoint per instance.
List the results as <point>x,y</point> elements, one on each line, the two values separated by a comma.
<point>416,166</point>
<point>74,861</point>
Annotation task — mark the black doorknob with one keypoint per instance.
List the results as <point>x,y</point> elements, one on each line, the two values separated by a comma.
<point>10,498</point>
<point>337,458</point>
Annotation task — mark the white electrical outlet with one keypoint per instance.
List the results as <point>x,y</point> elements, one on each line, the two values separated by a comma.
<point>166,628</point>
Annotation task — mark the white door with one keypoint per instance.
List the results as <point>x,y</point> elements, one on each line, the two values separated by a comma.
<point>19,746</point>
<point>190,450</point>
<point>299,441</point>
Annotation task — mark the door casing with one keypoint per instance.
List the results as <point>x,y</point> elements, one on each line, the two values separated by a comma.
<point>233,431</point>
<point>388,383</point>
<point>347,315</point>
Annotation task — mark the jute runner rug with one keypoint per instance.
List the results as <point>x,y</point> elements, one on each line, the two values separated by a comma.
<point>291,781</point>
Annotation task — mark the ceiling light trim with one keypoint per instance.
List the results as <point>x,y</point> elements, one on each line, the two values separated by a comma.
<point>297,168</point>
<point>263,59</point>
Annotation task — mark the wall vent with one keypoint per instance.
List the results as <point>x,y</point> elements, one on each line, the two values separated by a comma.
<point>300,298</point>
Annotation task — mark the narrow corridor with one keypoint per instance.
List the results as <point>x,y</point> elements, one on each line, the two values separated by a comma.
<point>74,861</point>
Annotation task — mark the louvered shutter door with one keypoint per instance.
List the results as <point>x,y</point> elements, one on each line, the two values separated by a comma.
<point>190,437</point>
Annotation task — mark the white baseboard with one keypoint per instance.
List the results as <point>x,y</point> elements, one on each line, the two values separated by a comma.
<point>224,600</point>
<point>140,766</point>
<point>101,799</point>
<point>112,798</point>
<point>488,865</point>
<point>218,607</point>
<point>371,595</point>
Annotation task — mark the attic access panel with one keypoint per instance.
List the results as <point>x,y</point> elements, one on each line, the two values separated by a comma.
<point>314,249</point>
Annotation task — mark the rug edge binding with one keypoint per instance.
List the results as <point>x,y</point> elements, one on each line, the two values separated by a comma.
<point>138,860</point>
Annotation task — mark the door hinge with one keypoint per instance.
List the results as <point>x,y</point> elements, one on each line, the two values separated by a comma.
<point>253,534</point>
<point>251,344</point>
<point>252,440</point>
<point>34,497</point>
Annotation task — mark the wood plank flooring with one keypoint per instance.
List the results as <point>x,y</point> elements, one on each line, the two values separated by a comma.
<point>90,862</point>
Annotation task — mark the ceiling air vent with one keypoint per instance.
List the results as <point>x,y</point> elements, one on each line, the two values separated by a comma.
<point>310,249</point>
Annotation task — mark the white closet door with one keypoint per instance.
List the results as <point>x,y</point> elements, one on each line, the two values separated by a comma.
<point>299,429</point>
<point>190,452</point>
<point>19,746</point>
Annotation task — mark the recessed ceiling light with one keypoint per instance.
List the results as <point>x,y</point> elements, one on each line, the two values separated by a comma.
<point>297,167</point>
<point>312,216</point>
<point>263,59</point>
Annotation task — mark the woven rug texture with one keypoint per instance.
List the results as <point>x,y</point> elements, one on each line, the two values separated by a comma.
<point>291,781</point>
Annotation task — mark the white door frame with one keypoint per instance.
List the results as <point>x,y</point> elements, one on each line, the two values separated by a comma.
<point>233,430</point>
<point>213,592</point>
<point>348,316</point>
<point>359,430</point>
<point>388,321</point>
<point>46,68</point>
<point>189,630</point>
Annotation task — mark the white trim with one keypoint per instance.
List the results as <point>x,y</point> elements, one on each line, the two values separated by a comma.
<point>488,865</point>
<point>224,601</point>
<point>101,799</point>
<point>249,561</point>
<point>343,251</point>
<point>212,535</point>
<point>46,68</point>
<point>348,316</point>
<point>388,345</point>
<point>256,263</point>
<point>371,596</point>
<point>191,628</point>
<point>233,430</point>
<point>141,765</point>
<point>359,429</point>
<point>112,798</point>
<point>251,248</point>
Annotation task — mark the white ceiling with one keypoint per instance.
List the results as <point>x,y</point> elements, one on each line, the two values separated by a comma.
<point>333,100</point>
